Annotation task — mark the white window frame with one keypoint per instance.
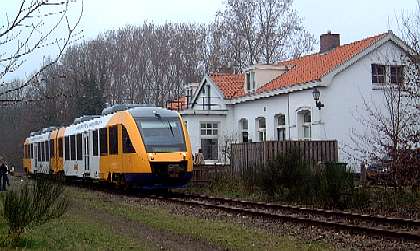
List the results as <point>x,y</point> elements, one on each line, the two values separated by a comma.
<point>243,129</point>
<point>301,125</point>
<point>261,131</point>
<point>214,130</point>
<point>279,126</point>
<point>306,124</point>
<point>376,75</point>
<point>250,81</point>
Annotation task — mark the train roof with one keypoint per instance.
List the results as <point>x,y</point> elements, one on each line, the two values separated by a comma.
<point>122,107</point>
<point>149,112</point>
<point>90,122</point>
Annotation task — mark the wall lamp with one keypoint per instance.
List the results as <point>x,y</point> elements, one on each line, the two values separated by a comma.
<point>316,94</point>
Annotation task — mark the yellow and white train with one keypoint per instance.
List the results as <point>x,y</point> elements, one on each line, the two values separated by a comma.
<point>131,145</point>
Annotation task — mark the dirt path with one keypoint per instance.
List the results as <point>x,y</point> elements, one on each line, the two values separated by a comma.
<point>164,240</point>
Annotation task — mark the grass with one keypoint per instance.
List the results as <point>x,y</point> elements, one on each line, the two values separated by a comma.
<point>217,232</point>
<point>73,232</point>
<point>80,229</point>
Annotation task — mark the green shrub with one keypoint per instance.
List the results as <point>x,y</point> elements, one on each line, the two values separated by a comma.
<point>32,204</point>
<point>360,199</point>
<point>335,185</point>
<point>226,184</point>
<point>396,199</point>
<point>286,177</point>
<point>248,178</point>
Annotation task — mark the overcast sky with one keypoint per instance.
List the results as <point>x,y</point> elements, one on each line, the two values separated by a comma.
<point>354,19</point>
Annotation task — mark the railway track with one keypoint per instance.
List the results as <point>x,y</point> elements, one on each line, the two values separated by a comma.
<point>397,228</point>
<point>388,227</point>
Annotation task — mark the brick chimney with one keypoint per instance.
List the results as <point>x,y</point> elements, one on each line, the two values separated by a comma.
<point>329,41</point>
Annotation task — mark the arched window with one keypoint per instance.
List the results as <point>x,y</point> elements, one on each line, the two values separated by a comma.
<point>261,128</point>
<point>280,126</point>
<point>243,129</point>
<point>304,124</point>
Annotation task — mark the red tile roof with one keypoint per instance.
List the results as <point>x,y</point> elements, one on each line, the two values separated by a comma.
<point>301,70</point>
<point>232,85</point>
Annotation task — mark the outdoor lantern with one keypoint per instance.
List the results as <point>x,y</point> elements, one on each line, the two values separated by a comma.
<point>316,94</point>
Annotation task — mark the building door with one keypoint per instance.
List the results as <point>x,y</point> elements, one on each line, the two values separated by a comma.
<point>210,148</point>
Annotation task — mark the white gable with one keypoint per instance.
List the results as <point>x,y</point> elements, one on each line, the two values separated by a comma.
<point>208,97</point>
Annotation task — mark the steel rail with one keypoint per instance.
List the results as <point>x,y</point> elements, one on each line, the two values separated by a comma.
<point>316,211</point>
<point>412,236</point>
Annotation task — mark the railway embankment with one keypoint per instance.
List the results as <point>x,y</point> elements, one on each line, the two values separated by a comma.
<point>114,221</point>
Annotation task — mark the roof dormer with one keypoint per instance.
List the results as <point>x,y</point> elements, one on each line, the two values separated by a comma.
<point>260,74</point>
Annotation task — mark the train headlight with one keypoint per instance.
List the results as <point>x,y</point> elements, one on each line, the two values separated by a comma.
<point>184,156</point>
<point>151,157</point>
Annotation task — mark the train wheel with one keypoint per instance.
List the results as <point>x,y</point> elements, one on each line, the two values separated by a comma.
<point>120,182</point>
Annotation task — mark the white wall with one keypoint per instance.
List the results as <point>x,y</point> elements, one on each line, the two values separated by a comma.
<point>343,99</point>
<point>263,76</point>
<point>266,108</point>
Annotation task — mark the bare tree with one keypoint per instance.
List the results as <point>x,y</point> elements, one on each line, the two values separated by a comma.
<point>36,26</point>
<point>391,126</point>
<point>264,31</point>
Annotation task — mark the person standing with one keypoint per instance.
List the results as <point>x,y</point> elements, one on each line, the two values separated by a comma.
<point>6,176</point>
<point>199,158</point>
<point>3,176</point>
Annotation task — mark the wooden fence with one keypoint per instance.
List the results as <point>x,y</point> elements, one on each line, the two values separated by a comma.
<point>254,154</point>
<point>203,173</point>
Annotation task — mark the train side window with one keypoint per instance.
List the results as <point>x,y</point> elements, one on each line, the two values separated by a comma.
<point>32,151</point>
<point>113,140</point>
<point>103,141</point>
<point>42,151</point>
<point>52,148</point>
<point>47,151</point>
<point>79,147</point>
<point>126,142</point>
<point>60,147</point>
<point>95,143</point>
<point>67,147</point>
<point>72,147</point>
<point>39,151</point>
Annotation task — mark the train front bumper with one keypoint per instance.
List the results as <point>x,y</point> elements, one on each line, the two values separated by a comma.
<point>156,181</point>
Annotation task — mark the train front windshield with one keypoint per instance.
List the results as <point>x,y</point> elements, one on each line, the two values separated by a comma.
<point>161,135</point>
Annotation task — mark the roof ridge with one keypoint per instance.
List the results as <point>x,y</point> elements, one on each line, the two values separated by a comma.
<point>330,60</point>
<point>325,53</point>
<point>222,74</point>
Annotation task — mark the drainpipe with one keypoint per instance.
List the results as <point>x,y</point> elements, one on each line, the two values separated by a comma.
<point>288,112</point>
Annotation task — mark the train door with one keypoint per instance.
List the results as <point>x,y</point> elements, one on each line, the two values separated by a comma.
<point>127,149</point>
<point>95,156</point>
<point>86,152</point>
<point>35,155</point>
